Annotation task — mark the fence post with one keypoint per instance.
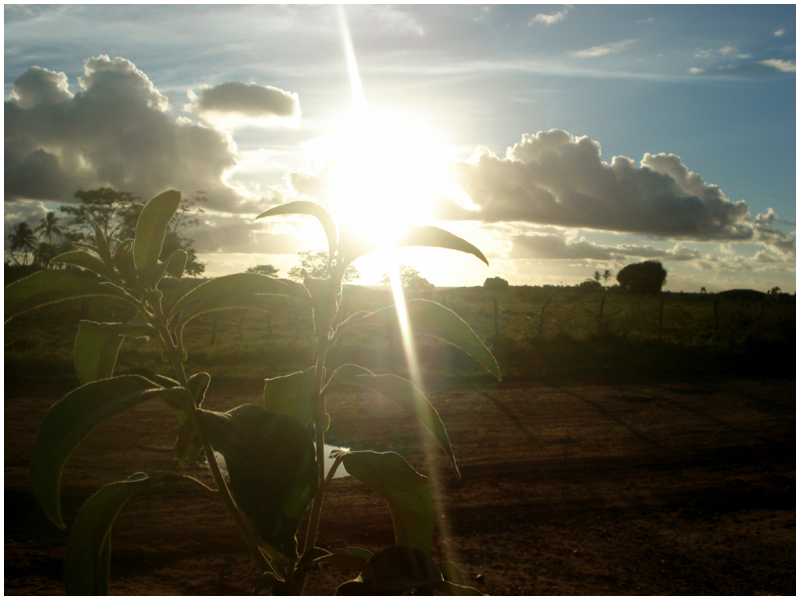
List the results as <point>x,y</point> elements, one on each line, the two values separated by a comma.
<point>600,315</point>
<point>496,318</point>
<point>541,317</point>
<point>213,328</point>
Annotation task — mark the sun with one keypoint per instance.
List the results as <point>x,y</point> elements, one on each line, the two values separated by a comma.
<point>385,173</point>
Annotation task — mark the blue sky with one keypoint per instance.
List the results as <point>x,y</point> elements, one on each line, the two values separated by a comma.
<point>565,139</point>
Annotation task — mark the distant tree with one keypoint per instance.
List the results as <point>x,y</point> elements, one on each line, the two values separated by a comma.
<point>589,286</point>
<point>22,240</point>
<point>495,284</point>
<point>410,279</point>
<point>268,270</point>
<point>116,213</point>
<point>44,253</point>
<point>703,290</point>
<point>645,278</point>
<point>606,276</point>
<point>49,226</point>
<point>775,291</point>
<point>315,263</point>
<point>597,276</point>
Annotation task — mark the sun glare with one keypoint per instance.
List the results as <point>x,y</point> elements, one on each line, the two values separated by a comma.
<point>385,174</point>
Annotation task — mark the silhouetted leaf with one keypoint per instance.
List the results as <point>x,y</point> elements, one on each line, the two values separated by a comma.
<point>87,564</point>
<point>353,248</point>
<point>151,229</point>
<point>273,474</point>
<point>291,395</point>
<point>74,417</point>
<point>250,283</point>
<point>304,207</point>
<point>440,322</point>
<point>400,570</point>
<point>84,260</point>
<point>48,287</point>
<point>406,491</point>
<point>189,443</point>
<point>102,246</point>
<point>406,394</point>
<point>97,346</point>
<point>176,263</point>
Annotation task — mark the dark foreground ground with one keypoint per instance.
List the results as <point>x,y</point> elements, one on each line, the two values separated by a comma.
<point>656,489</point>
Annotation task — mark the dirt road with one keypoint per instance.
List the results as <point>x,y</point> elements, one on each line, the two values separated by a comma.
<point>674,488</point>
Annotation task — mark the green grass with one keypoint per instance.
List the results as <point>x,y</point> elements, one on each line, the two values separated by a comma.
<point>566,342</point>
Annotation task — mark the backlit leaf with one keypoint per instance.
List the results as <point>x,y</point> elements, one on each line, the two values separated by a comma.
<point>406,394</point>
<point>87,564</point>
<point>406,492</point>
<point>416,235</point>
<point>97,346</point>
<point>273,474</point>
<point>84,260</point>
<point>189,443</point>
<point>440,322</point>
<point>251,283</point>
<point>70,420</point>
<point>48,287</point>
<point>176,263</point>
<point>102,246</point>
<point>151,229</point>
<point>400,570</point>
<point>304,207</point>
<point>291,395</point>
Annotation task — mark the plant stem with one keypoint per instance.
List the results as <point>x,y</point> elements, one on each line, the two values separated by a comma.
<point>223,493</point>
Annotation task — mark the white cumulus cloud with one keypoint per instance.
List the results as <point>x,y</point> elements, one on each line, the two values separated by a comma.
<point>116,131</point>
<point>555,178</point>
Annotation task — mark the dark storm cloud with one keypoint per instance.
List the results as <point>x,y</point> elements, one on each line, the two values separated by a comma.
<point>555,178</point>
<point>114,132</point>
<point>248,100</point>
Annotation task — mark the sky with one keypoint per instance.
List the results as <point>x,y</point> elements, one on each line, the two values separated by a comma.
<point>560,139</point>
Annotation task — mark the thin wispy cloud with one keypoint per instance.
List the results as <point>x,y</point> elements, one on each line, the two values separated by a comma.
<point>596,51</point>
<point>549,19</point>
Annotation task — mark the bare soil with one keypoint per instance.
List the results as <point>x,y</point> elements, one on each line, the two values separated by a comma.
<point>679,488</point>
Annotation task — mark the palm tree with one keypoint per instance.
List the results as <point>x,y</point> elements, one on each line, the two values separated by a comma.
<point>22,240</point>
<point>597,276</point>
<point>49,226</point>
<point>606,276</point>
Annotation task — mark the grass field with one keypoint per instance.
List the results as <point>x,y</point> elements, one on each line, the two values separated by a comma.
<point>536,333</point>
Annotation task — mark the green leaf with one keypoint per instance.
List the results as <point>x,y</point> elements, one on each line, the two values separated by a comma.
<point>84,260</point>
<point>87,564</point>
<point>400,570</point>
<point>251,283</point>
<point>102,246</point>
<point>189,443</point>
<point>97,346</point>
<point>291,395</point>
<point>451,572</point>
<point>406,394</point>
<point>440,322</point>
<point>406,491</point>
<point>304,207</point>
<point>361,552</point>
<point>70,420</point>
<point>415,235</point>
<point>176,263</point>
<point>273,474</point>
<point>48,287</point>
<point>227,301</point>
<point>151,229</point>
